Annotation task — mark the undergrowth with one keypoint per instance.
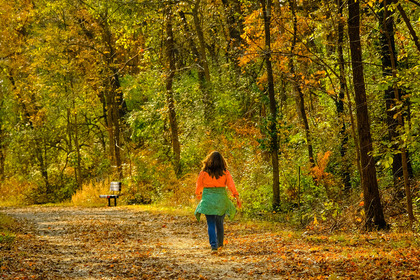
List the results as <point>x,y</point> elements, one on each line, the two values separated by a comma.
<point>8,228</point>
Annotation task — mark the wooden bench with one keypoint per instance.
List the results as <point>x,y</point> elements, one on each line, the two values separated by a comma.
<point>114,187</point>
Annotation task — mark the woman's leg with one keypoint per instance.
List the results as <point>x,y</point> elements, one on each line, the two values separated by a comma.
<point>211,229</point>
<point>220,230</point>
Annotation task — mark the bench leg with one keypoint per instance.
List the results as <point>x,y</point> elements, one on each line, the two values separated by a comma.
<point>115,201</point>
<point>109,201</point>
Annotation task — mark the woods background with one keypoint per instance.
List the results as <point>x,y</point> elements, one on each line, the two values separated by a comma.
<point>314,104</point>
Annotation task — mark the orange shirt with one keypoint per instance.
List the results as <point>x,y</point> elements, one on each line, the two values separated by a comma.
<point>206,181</point>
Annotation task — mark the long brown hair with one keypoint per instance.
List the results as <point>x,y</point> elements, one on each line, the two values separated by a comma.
<point>215,165</point>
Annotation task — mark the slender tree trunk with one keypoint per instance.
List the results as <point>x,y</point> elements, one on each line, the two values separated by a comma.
<point>77,148</point>
<point>235,28</point>
<point>409,26</point>
<point>2,144</point>
<point>110,117</point>
<point>113,122</point>
<point>345,173</point>
<point>40,153</point>
<point>190,38</point>
<point>372,202</point>
<point>115,104</point>
<point>169,91</point>
<point>200,70</point>
<point>116,122</point>
<point>300,101</point>
<point>386,23</point>
<point>266,8</point>
<point>389,62</point>
<point>74,128</point>
<point>201,41</point>
<point>206,84</point>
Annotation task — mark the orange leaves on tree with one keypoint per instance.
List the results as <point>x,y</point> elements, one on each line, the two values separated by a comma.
<point>281,38</point>
<point>322,177</point>
<point>318,171</point>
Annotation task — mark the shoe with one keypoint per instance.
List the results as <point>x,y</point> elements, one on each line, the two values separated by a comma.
<point>213,250</point>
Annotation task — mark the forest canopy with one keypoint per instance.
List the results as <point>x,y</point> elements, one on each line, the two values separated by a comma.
<point>314,104</point>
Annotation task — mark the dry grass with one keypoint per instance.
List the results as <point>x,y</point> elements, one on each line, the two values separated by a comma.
<point>14,192</point>
<point>8,226</point>
<point>88,195</point>
<point>182,191</point>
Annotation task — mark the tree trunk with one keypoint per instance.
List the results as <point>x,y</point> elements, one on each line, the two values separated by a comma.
<point>200,70</point>
<point>409,26</point>
<point>345,173</point>
<point>205,84</point>
<point>235,28</point>
<point>387,43</point>
<point>2,144</point>
<point>116,96</point>
<point>74,128</point>
<point>266,8</point>
<point>300,101</point>
<point>115,103</point>
<point>77,148</point>
<point>169,91</point>
<point>372,201</point>
<point>389,63</point>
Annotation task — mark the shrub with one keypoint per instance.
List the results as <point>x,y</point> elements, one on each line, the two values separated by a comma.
<point>14,192</point>
<point>88,195</point>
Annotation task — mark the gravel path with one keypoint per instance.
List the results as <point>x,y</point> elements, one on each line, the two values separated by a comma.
<point>131,243</point>
<point>113,243</point>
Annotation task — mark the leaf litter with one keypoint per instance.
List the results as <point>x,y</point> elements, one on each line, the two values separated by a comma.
<point>131,243</point>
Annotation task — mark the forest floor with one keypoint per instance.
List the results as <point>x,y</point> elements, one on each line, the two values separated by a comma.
<point>136,243</point>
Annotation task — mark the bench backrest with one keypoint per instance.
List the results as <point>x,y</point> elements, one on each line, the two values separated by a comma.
<point>115,186</point>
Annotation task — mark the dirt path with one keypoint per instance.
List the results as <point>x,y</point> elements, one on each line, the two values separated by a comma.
<point>115,243</point>
<point>130,243</point>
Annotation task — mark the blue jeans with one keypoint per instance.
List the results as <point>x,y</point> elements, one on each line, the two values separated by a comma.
<point>215,230</point>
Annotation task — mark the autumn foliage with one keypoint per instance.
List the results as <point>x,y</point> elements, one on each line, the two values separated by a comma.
<point>90,92</point>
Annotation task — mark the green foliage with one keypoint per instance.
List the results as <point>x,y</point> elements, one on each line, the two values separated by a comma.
<point>61,61</point>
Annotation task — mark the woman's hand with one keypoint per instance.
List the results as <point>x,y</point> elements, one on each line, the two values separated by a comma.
<point>238,202</point>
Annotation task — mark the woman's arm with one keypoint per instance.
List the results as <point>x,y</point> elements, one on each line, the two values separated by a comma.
<point>231,186</point>
<point>199,186</point>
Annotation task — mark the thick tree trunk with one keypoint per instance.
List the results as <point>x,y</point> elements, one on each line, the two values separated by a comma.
<point>266,8</point>
<point>372,202</point>
<point>169,91</point>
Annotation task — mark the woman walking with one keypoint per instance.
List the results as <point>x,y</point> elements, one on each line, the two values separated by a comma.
<point>214,201</point>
